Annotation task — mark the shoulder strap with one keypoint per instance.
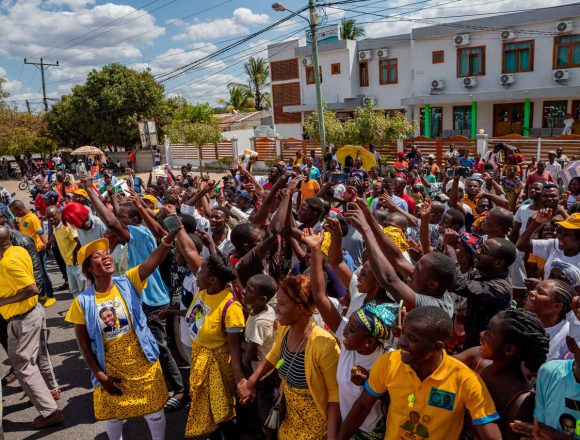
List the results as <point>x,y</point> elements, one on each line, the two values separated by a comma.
<point>227,305</point>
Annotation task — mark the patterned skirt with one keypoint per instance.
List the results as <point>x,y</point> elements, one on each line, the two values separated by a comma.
<point>302,420</point>
<point>212,387</point>
<point>143,384</point>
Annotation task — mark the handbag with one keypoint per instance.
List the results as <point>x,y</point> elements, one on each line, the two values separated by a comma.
<point>278,410</point>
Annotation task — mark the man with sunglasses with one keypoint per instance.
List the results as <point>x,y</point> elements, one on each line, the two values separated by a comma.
<point>488,288</point>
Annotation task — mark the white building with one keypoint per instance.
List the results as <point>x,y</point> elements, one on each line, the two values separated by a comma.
<point>512,73</point>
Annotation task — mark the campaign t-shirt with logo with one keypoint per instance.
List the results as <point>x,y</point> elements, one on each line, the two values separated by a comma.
<point>558,397</point>
<point>433,408</point>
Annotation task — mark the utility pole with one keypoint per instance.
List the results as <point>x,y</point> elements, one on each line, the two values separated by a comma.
<point>28,106</point>
<point>320,109</point>
<point>42,66</point>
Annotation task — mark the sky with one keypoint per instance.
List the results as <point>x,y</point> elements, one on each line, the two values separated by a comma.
<point>165,34</point>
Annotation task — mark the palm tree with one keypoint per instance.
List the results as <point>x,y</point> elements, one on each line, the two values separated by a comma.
<point>240,98</point>
<point>258,73</point>
<point>349,29</point>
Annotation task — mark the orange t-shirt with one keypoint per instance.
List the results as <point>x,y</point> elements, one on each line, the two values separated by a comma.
<point>309,189</point>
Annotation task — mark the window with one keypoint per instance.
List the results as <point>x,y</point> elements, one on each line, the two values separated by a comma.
<point>471,61</point>
<point>462,117</point>
<point>335,69</point>
<point>363,73</point>
<point>283,95</point>
<point>284,70</point>
<point>438,57</point>
<point>388,71</point>
<point>554,112</point>
<point>310,78</point>
<point>436,122</point>
<point>518,57</point>
<point>567,51</point>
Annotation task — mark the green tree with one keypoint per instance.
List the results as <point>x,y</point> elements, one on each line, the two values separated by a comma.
<point>349,30</point>
<point>333,128</point>
<point>105,110</point>
<point>370,126</point>
<point>3,94</point>
<point>23,132</point>
<point>240,98</point>
<point>258,81</point>
<point>195,133</point>
<point>184,111</point>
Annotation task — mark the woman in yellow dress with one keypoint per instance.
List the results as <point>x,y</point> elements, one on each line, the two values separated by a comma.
<point>216,324</point>
<point>306,357</point>
<point>116,344</point>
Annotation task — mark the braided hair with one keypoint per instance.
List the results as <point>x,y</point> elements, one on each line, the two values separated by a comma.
<point>563,294</point>
<point>219,266</point>
<point>524,330</point>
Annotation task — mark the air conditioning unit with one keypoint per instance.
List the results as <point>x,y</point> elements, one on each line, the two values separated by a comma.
<point>469,82</point>
<point>364,55</point>
<point>307,61</point>
<point>383,53</point>
<point>564,27</point>
<point>507,79</point>
<point>561,75</point>
<point>437,84</point>
<point>369,101</point>
<point>509,34</point>
<point>462,40</point>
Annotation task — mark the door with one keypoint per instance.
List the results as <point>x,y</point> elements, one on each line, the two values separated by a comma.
<point>576,116</point>
<point>508,118</point>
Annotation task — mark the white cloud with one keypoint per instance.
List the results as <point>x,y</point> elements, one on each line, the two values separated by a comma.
<point>73,4</point>
<point>238,24</point>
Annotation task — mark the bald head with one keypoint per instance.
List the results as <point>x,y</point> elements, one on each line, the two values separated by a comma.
<point>18,208</point>
<point>4,237</point>
<point>51,210</point>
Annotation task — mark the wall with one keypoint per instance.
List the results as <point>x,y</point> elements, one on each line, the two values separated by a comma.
<point>243,137</point>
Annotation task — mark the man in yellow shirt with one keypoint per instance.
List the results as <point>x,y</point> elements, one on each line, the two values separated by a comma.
<point>27,332</point>
<point>67,240</point>
<point>31,226</point>
<point>429,390</point>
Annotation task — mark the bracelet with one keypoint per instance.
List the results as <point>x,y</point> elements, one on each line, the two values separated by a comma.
<point>164,243</point>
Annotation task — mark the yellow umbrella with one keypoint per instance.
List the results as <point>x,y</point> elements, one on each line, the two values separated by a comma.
<point>356,152</point>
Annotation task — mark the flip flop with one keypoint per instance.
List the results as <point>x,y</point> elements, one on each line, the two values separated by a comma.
<point>173,405</point>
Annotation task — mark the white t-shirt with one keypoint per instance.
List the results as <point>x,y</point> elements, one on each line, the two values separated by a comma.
<point>261,330</point>
<point>554,169</point>
<point>558,346</point>
<point>549,251</point>
<point>357,299</point>
<point>190,289</point>
<point>349,392</point>
<point>522,215</point>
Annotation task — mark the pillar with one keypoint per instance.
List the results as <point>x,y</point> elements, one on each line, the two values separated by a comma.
<point>427,121</point>
<point>473,119</point>
<point>527,114</point>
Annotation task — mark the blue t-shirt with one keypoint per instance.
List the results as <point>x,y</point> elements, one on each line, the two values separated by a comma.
<point>467,163</point>
<point>314,173</point>
<point>138,184</point>
<point>141,245</point>
<point>558,397</point>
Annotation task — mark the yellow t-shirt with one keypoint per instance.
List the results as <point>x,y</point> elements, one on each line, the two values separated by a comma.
<point>204,318</point>
<point>31,226</point>
<point>434,408</point>
<point>473,205</point>
<point>114,317</point>
<point>309,189</point>
<point>66,240</point>
<point>16,273</point>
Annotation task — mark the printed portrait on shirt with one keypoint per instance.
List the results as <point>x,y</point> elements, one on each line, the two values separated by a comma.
<point>195,317</point>
<point>113,319</point>
<point>414,428</point>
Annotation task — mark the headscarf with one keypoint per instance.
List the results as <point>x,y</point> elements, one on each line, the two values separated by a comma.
<point>571,272</point>
<point>470,241</point>
<point>397,236</point>
<point>378,319</point>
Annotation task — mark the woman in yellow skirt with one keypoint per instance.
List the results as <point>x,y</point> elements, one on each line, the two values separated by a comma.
<point>306,357</point>
<point>216,323</point>
<point>116,344</point>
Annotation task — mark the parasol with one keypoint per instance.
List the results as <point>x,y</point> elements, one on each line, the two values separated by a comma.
<point>366,157</point>
<point>570,171</point>
<point>87,150</point>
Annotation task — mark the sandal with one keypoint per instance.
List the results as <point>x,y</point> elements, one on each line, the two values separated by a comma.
<point>173,404</point>
<point>56,394</point>
<point>9,378</point>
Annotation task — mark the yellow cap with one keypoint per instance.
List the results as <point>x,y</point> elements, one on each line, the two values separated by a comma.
<point>572,222</point>
<point>81,192</point>
<point>151,198</point>
<point>100,244</point>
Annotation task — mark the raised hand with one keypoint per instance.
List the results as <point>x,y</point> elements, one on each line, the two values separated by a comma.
<point>450,237</point>
<point>364,207</point>
<point>332,225</point>
<point>355,217</point>
<point>426,208</point>
<point>543,215</point>
<point>311,239</point>
<point>170,210</point>
<point>518,189</point>
<point>293,185</point>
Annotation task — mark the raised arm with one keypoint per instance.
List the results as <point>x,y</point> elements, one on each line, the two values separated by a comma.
<point>108,217</point>
<point>425,234</point>
<point>148,219</point>
<point>335,257</point>
<point>542,216</point>
<point>383,271</point>
<point>264,210</point>
<point>328,312</point>
<point>156,258</point>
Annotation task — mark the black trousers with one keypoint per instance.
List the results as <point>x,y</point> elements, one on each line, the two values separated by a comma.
<point>168,364</point>
<point>59,261</point>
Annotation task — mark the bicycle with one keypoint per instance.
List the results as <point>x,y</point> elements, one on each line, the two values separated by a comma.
<point>26,183</point>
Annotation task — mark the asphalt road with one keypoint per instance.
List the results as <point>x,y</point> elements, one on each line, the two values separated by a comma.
<point>74,379</point>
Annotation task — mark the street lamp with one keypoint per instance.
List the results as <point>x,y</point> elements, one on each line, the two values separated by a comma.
<point>312,23</point>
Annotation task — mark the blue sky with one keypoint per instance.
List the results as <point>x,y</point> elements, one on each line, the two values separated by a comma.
<point>165,34</point>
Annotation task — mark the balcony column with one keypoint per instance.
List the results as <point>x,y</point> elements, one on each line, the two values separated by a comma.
<point>427,121</point>
<point>527,115</point>
<point>473,119</point>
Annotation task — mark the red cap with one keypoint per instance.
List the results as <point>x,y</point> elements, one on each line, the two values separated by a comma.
<point>401,153</point>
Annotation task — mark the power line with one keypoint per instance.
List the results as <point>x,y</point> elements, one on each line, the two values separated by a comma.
<point>42,66</point>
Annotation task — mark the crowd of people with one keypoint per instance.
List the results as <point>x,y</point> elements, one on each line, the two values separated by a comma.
<point>412,300</point>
